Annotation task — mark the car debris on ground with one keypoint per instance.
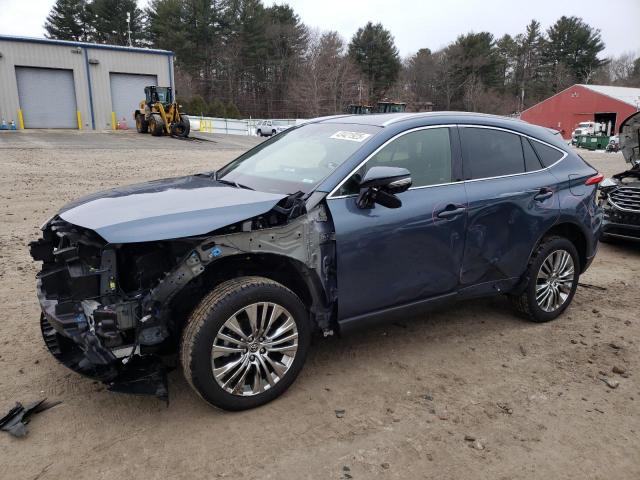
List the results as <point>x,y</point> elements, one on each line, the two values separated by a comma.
<point>15,421</point>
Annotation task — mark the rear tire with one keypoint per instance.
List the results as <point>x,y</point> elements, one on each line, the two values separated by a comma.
<point>228,359</point>
<point>142,126</point>
<point>156,125</point>
<point>551,280</point>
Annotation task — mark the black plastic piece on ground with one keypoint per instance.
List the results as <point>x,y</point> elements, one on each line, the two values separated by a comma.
<point>15,422</point>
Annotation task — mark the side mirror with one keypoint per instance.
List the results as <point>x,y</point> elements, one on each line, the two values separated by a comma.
<point>380,184</point>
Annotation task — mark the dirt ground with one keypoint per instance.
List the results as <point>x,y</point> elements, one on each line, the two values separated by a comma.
<point>529,395</point>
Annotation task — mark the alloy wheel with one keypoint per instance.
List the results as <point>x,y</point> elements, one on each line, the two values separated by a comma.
<point>254,349</point>
<point>555,280</point>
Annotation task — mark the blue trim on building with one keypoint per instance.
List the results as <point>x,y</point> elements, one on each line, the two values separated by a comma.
<point>86,64</point>
<point>68,43</point>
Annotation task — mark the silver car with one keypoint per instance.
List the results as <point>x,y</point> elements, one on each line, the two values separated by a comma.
<point>267,128</point>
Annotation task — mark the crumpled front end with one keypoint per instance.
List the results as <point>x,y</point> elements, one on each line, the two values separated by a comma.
<point>115,311</point>
<point>90,321</point>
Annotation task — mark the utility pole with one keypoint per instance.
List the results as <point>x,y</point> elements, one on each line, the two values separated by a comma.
<point>129,27</point>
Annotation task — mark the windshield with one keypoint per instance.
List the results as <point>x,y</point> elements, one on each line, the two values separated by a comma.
<point>297,159</point>
<point>163,95</point>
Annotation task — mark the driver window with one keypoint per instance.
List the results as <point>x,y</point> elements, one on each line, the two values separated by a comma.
<point>425,153</point>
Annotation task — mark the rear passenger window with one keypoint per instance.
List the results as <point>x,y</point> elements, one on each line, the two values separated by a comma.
<point>491,153</point>
<point>531,160</point>
<point>548,155</point>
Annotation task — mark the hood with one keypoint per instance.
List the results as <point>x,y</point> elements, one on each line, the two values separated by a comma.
<point>166,209</point>
<point>630,138</point>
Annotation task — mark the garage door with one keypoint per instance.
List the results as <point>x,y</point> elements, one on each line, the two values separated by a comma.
<point>47,97</point>
<point>127,91</point>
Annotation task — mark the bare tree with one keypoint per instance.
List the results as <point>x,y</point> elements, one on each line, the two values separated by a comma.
<point>328,78</point>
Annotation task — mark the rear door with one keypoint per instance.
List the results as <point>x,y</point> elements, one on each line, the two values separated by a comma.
<point>388,257</point>
<point>512,202</point>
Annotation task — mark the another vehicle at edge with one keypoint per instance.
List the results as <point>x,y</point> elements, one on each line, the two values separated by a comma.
<point>583,128</point>
<point>268,128</point>
<point>620,195</point>
<point>331,225</point>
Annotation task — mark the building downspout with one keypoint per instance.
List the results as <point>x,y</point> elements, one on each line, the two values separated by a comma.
<point>170,63</point>
<point>86,64</point>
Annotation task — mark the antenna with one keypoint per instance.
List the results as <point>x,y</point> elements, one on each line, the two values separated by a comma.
<point>129,27</point>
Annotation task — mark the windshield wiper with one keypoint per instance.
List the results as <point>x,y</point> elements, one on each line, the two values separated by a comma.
<point>234,184</point>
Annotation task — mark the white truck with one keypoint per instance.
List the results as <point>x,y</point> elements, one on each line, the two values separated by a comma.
<point>589,128</point>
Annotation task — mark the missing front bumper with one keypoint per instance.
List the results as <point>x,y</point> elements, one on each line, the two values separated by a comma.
<point>84,353</point>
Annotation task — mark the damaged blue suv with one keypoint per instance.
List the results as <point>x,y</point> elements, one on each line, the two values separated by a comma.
<point>328,226</point>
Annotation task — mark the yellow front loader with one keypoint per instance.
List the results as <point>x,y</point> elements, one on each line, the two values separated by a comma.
<point>159,114</point>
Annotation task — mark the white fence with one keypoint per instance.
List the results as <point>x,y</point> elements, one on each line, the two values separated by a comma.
<point>231,126</point>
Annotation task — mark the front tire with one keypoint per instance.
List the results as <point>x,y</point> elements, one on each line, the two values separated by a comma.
<point>245,343</point>
<point>156,125</point>
<point>259,132</point>
<point>552,280</point>
<point>182,128</point>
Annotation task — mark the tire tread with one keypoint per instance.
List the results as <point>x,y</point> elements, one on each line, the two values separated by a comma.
<point>521,302</point>
<point>200,314</point>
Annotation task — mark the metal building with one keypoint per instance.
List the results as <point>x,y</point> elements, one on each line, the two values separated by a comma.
<point>605,104</point>
<point>61,84</point>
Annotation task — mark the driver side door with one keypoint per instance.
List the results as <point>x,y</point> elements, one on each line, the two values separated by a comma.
<point>394,257</point>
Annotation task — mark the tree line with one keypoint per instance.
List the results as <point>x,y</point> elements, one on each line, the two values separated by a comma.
<point>240,58</point>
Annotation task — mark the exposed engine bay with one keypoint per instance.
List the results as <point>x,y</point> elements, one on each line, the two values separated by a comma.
<point>114,311</point>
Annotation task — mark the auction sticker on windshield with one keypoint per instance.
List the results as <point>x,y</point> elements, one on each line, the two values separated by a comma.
<point>353,136</point>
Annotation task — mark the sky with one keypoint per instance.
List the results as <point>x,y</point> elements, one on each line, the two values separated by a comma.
<point>415,24</point>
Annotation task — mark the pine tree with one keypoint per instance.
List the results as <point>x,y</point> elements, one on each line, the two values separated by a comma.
<point>374,51</point>
<point>530,83</point>
<point>68,20</point>
<point>572,51</point>
<point>165,27</point>
<point>109,21</point>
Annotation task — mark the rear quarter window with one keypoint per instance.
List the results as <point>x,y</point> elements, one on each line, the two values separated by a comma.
<point>547,155</point>
<point>531,160</point>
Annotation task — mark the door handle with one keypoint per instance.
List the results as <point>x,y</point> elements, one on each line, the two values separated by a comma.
<point>451,211</point>
<point>544,194</point>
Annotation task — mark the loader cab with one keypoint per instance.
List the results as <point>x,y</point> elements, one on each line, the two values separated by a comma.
<point>359,109</point>
<point>386,106</point>
<point>155,94</point>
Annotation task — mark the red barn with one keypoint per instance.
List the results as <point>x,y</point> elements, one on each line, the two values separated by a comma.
<point>583,103</point>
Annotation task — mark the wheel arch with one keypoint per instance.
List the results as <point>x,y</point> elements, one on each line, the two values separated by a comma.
<point>572,232</point>
<point>289,272</point>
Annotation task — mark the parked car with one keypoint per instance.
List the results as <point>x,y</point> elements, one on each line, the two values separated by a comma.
<point>613,145</point>
<point>620,195</point>
<point>268,128</point>
<point>331,225</point>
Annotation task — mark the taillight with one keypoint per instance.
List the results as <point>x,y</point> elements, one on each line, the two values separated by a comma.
<point>596,179</point>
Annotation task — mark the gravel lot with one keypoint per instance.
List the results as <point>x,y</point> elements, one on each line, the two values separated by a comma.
<point>529,395</point>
